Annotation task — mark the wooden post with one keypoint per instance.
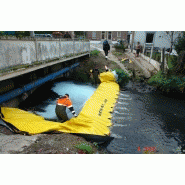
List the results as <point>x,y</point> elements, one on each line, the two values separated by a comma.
<point>151,52</point>
<point>165,66</point>
<point>133,32</point>
<point>162,59</point>
<point>144,49</point>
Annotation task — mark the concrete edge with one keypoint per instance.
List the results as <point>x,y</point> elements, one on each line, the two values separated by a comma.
<point>15,74</point>
<point>147,74</point>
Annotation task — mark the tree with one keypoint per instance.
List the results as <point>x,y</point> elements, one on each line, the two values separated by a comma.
<point>80,34</point>
<point>20,34</point>
<point>180,45</point>
<point>171,34</point>
<point>2,33</point>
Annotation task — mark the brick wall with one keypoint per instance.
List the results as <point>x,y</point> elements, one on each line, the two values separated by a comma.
<point>114,35</point>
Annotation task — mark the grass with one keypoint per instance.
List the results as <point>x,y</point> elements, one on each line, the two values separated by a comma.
<point>117,53</point>
<point>94,53</point>
<point>86,148</point>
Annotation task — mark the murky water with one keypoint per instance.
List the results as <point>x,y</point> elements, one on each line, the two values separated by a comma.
<point>145,120</point>
<point>78,93</point>
<point>142,118</point>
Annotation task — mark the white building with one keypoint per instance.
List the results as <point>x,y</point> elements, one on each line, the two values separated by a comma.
<point>158,39</point>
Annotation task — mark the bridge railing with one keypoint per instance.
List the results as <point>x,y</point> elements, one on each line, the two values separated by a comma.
<point>17,52</point>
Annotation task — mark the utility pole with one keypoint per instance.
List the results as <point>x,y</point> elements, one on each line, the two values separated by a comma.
<point>132,43</point>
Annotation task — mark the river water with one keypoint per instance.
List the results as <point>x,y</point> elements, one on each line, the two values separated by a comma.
<point>142,120</point>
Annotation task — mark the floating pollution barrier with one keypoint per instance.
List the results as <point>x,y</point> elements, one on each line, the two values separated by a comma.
<point>94,119</point>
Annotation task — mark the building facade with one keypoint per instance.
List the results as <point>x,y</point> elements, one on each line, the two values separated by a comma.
<point>158,39</point>
<point>109,35</point>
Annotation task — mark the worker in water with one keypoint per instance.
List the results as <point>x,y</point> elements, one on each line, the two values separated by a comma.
<point>61,105</point>
<point>95,73</point>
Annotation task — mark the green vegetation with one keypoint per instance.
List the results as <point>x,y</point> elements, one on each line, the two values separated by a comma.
<point>170,83</point>
<point>85,148</point>
<point>1,33</point>
<point>94,53</point>
<point>174,80</point>
<point>123,77</point>
<point>120,46</point>
<point>117,53</point>
<point>21,34</point>
<point>180,46</point>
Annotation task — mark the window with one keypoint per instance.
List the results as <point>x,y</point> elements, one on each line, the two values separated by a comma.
<point>118,34</point>
<point>93,35</point>
<point>103,34</point>
<point>109,35</point>
<point>149,37</point>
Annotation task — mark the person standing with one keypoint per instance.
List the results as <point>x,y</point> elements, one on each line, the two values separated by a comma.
<point>61,105</point>
<point>138,49</point>
<point>106,48</point>
<point>96,73</point>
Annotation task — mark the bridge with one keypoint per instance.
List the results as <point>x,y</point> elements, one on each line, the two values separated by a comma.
<point>35,65</point>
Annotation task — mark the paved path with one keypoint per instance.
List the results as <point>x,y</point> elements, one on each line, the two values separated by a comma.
<point>147,68</point>
<point>15,142</point>
<point>110,55</point>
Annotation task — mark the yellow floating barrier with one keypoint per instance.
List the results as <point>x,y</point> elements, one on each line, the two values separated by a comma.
<point>93,119</point>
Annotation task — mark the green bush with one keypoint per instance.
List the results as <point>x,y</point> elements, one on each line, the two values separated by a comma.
<point>94,53</point>
<point>123,77</point>
<point>167,83</point>
<point>120,46</point>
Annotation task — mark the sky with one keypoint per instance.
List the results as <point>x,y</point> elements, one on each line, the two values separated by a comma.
<point>95,15</point>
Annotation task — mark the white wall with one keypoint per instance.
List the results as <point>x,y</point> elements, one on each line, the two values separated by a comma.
<point>26,52</point>
<point>161,39</point>
<point>140,36</point>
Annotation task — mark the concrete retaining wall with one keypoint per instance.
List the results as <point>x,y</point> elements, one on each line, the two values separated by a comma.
<point>25,52</point>
<point>155,63</point>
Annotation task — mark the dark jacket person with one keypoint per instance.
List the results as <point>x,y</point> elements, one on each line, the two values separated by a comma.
<point>106,48</point>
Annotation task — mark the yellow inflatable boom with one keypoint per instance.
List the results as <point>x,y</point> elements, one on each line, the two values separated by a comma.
<point>95,117</point>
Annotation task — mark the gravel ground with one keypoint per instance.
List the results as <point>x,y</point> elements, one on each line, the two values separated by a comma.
<point>62,143</point>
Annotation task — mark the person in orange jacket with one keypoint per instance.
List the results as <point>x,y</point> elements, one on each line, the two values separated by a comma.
<point>61,105</point>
